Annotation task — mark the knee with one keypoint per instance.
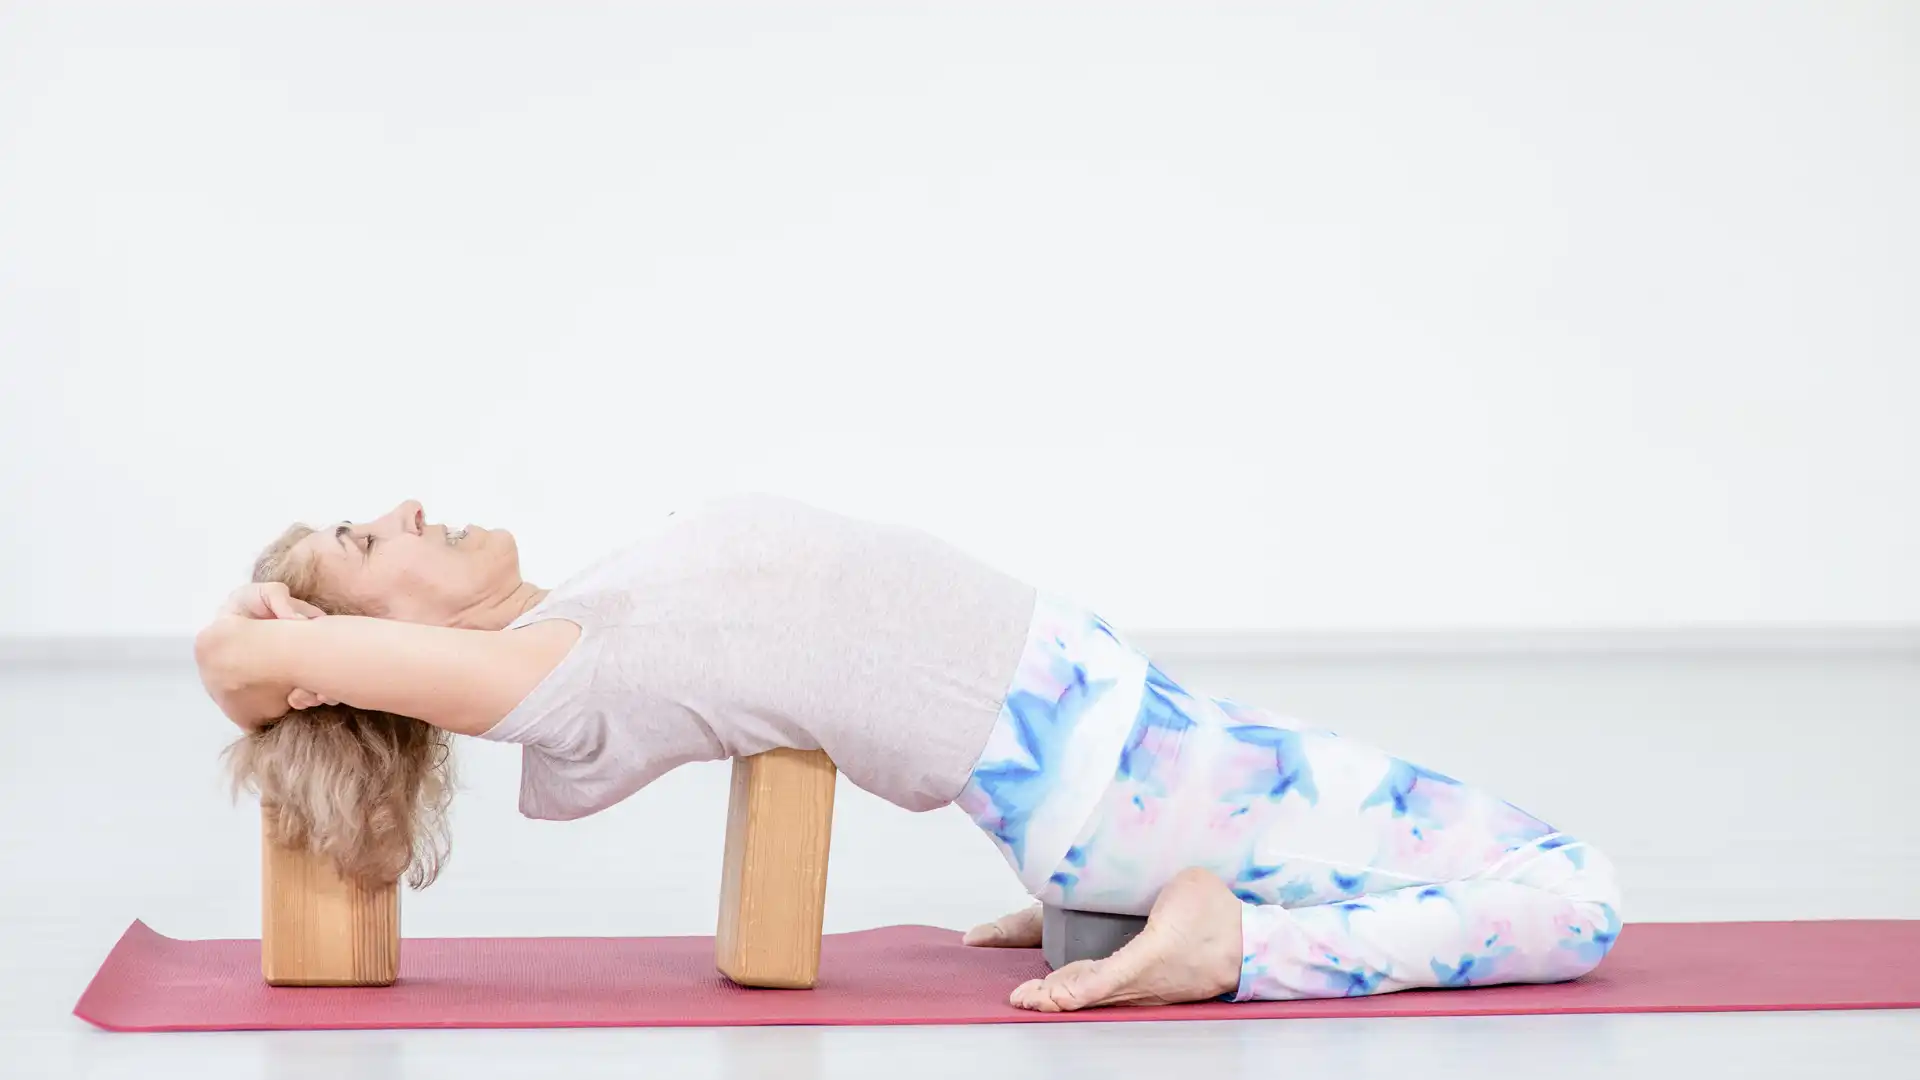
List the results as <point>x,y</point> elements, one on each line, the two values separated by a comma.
<point>1575,871</point>
<point>1595,891</point>
<point>1591,936</point>
<point>1582,879</point>
<point>1598,881</point>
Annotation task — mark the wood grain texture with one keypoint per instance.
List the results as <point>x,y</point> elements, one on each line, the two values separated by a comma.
<point>773,886</point>
<point>319,930</point>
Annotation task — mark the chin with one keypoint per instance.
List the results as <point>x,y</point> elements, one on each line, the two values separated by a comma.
<point>505,549</point>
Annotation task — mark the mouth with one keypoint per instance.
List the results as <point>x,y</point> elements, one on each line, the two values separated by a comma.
<point>455,535</point>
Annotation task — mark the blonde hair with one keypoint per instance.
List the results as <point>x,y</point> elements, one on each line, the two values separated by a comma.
<point>366,790</point>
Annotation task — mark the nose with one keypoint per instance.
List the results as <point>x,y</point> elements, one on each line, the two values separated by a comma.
<point>409,517</point>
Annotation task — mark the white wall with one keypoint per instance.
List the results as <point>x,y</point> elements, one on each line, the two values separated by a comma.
<point>1302,316</point>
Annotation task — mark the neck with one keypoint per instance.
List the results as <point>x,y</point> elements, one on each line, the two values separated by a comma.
<point>498,613</point>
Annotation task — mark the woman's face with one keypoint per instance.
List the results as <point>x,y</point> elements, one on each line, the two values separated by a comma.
<point>398,566</point>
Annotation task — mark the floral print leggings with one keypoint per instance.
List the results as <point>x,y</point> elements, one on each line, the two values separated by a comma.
<point>1359,873</point>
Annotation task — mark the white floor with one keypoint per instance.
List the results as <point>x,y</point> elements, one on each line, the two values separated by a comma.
<point>1724,787</point>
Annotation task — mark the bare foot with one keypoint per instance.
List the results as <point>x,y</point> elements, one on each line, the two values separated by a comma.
<point>1020,930</point>
<point>1189,951</point>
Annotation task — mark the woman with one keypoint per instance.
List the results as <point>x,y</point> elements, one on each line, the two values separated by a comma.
<point>1273,860</point>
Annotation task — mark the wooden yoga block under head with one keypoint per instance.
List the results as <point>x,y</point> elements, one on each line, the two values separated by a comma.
<point>319,930</point>
<point>773,885</point>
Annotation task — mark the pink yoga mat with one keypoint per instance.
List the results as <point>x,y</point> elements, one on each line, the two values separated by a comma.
<point>922,975</point>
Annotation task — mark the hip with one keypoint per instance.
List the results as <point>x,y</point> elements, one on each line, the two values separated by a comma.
<point>1103,777</point>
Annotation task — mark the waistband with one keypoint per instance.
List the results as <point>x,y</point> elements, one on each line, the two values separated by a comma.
<point>1057,742</point>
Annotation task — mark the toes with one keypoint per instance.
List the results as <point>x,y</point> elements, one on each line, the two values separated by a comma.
<point>984,934</point>
<point>1032,996</point>
<point>1083,984</point>
<point>1020,930</point>
<point>1072,987</point>
<point>1077,987</point>
<point>1189,951</point>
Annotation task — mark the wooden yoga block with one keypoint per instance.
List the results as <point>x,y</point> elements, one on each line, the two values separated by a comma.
<point>319,930</point>
<point>773,884</point>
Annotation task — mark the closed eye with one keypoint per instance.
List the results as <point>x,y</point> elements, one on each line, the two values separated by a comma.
<point>344,533</point>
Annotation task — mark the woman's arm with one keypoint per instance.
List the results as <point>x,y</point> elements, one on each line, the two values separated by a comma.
<point>221,657</point>
<point>464,681</point>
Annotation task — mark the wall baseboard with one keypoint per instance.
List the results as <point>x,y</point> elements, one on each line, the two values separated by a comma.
<point>76,650</point>
<point>1515,643</point>
<point>57,651</point>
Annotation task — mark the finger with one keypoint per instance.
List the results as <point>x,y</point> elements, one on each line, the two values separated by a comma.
<point>307,609</point>
<point>244,602</point>
<point>255,601</point>
<point>308,699</point>
<point>282,605</point>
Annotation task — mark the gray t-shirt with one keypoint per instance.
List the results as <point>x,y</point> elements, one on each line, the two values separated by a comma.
<point>754,622</point>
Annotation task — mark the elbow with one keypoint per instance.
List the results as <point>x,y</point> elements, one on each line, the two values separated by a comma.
<point>215,653</point>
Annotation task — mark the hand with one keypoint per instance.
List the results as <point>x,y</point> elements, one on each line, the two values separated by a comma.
<point>307,699</point>
<point>267,600</point>
<point>220,655</point>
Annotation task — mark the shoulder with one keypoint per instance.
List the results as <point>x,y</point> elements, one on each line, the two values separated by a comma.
<point>540,645</point>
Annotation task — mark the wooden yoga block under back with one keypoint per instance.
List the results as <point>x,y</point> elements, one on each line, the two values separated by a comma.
<point>318,930</point>
<point>773,885</point>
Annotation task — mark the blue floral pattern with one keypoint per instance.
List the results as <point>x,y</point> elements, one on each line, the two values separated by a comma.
<point>1360,873</point>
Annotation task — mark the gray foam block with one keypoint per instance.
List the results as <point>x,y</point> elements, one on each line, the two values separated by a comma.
<point>1067,935</point>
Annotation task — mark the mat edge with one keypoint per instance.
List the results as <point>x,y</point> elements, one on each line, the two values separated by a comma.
<point>138,929</point>
<point>1116,1015</point>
